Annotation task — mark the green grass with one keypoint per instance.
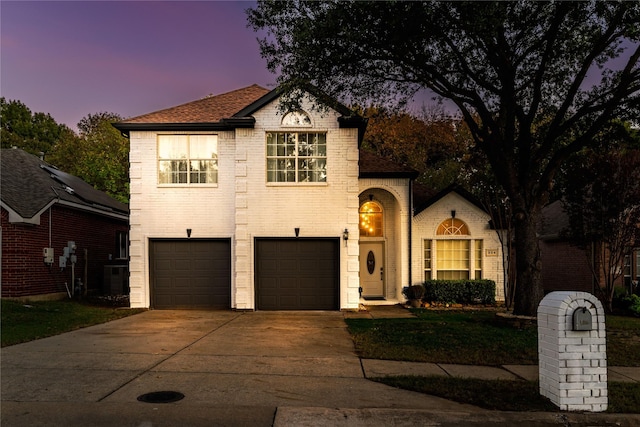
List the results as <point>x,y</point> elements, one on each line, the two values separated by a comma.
<point>465,337</point>
<point>479,338</point>
<point>507,395</point>
<point>22,322</point>
<point>474,338</point>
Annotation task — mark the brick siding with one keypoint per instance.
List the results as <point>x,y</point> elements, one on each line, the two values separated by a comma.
<point>24,272</point>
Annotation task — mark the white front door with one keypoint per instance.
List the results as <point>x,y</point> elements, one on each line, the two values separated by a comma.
<point>372,269</point>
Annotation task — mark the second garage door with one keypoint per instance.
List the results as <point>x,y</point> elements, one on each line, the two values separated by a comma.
<point>297,274</point>
<point>193,274</point>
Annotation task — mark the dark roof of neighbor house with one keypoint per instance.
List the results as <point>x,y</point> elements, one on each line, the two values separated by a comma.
<point>30,185</point>
<point>554,221</point>
<point>226,111</point>
<point>374,166</point>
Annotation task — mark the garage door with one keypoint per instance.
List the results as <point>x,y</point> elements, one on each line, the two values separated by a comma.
<point>297,274</point>
<point>190,274</point>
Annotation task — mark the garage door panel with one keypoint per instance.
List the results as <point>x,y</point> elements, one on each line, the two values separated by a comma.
<point>297,274</point>
<point>192,274</point>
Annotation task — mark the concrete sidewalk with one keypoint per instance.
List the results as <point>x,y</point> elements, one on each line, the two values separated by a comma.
<point>234,369</point>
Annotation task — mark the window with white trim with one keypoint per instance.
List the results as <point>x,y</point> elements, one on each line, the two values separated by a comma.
<point>187,159</point>
<point>296,157</point>
<point>452,256</point>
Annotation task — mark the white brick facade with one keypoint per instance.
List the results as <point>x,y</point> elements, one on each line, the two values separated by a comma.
<point>243,206</point>
<point>426,223</point>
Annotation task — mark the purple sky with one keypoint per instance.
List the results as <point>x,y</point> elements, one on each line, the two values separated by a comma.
<point>70,59</point>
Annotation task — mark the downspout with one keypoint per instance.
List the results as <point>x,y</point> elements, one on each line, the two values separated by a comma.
<point>410,230</point>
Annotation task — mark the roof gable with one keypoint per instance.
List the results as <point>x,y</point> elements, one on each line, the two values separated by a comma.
<point>420,204</point>
<point>30,185</point>
<point>226,111</point>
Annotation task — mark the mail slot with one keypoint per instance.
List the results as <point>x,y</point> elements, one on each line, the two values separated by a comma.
<point>582,319</point>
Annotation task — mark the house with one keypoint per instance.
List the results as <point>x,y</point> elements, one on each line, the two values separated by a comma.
<point>57,232</point>
<point>566,266</point>
<point>238,204</point>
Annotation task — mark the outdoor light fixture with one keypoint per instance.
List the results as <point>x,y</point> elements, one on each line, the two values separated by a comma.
<point>297,230</point>
<point>345,234</point>
<point>453,214</point>
<point>188,233</point>
<point>371,197</point>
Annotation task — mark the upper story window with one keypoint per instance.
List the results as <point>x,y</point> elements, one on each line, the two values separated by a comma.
<point>296,118</point>
<point>371,220</point>
<point>187,159</point>
<point>296,157</point>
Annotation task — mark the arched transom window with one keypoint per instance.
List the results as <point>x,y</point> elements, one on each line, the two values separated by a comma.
<point>296,118</point>
<point>452,227</point>
<point>371,220</point>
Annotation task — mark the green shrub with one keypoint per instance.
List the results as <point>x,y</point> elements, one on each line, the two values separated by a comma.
<point>413,292</point>
<point>631,303</point>
<point>460,291</point>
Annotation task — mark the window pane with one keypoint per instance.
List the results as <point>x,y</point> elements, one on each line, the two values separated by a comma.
<point>203,146</point>
<point>172,146</point>
<point>453,259</point>
<point>292,157</point>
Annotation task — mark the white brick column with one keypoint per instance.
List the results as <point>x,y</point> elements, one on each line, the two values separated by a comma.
<point>572,363</point>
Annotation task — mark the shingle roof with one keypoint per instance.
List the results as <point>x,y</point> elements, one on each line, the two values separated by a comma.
<point>211,109</point>
<point>374,166</point>
<point>29,185</point>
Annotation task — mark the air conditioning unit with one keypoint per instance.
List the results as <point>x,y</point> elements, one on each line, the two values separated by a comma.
<point>116,280</point>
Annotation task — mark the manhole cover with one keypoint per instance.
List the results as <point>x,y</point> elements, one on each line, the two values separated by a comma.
<point>161,397</point>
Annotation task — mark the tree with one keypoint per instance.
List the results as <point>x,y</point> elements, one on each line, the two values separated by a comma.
<point>527,88</point>
<point>433,143</point>
<point>99,155</point>
<point>602,200</point>
<point>33,132</point>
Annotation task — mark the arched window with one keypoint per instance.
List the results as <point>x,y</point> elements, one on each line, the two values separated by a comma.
<point>296,118</point>
<point>452,227</point>
<point>450,257</point>
<point>371,220</point>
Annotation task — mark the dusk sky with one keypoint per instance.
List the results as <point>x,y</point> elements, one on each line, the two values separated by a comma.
<point>70,59</point>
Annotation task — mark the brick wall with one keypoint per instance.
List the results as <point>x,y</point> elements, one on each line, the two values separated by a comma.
<point>24,272</point>
<point>564,267</point>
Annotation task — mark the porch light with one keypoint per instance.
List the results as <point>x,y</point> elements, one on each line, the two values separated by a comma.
<point>345,234</point>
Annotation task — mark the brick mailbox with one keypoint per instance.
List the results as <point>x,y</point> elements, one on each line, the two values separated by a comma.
<point>572,351</point>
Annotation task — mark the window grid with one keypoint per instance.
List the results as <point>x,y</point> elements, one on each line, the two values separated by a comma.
<point>452,259</point>
<point>187,159</point>
<point>296,157</point>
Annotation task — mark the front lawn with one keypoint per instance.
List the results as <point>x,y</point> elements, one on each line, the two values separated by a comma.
<point>23,322</point>
<point>474,338</point>
<point>479,338</point>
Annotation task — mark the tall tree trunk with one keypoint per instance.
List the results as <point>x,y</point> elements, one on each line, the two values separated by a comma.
<point>529,291</point>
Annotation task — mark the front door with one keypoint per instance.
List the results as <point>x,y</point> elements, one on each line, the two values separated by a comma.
<point>372,269</point>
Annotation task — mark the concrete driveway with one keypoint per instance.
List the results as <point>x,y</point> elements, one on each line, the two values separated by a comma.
<point>234,368</point>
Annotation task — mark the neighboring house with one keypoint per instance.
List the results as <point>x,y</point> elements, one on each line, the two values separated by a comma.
<point>237,204</point>
<point>43,209</point>
<point>566,266</point>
